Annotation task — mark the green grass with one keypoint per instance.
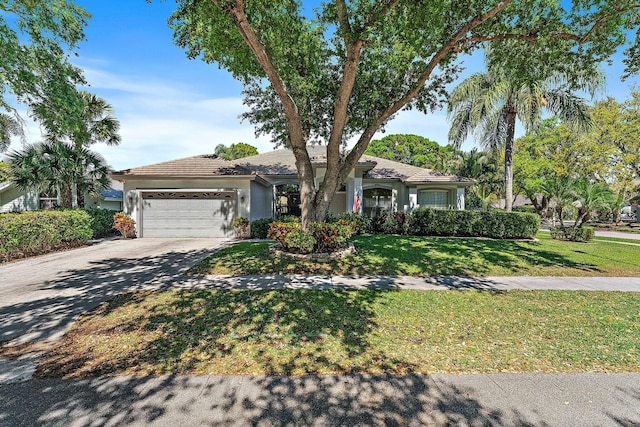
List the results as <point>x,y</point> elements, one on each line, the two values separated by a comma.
<point>411,255</point>
<point>368,331</point>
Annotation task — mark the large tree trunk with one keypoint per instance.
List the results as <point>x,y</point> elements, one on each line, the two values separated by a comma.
<point>508,157</point>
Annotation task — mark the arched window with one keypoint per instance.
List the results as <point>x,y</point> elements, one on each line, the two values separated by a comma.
<point>287,200</point>
<point>376,201</point>
<point>435,199</point>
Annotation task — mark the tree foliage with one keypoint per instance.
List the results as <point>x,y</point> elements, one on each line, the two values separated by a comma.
<point>235,151</point>
<point>488,105</point>
<point>5,171</point>
<point>345,72</point>
<point>413,150</point>
<point>35,40</point>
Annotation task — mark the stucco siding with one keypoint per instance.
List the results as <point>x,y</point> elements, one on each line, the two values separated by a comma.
<point>261,201</point>
<point>13,200</point>
<point>339,203</point>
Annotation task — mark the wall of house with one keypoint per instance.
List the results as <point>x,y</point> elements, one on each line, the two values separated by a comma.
<point>261,201</point>
<point>13,200</point>
<point>132,188</point>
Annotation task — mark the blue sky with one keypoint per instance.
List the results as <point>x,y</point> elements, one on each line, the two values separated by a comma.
<point>172,107</point>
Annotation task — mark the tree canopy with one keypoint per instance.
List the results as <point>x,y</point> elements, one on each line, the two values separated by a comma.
<point>36,38</point>
<point>345,72</point>
<point>413,150</point>
<point>235,151</point>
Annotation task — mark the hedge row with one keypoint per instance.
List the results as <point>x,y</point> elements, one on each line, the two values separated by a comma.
<point>431,222</point>
<point>33,232</point>
<point>102,222</point>
<point>494,224</point>
<point>583,234</point>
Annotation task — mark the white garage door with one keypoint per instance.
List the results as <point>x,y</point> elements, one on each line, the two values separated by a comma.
<point>188,214</point>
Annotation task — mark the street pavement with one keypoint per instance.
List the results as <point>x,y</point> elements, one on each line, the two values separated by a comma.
<point>41,297</point>
<point>587,399</point>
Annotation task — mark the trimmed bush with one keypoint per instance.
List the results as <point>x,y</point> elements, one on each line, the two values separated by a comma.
<point>376,224</point>
<point>329,237</point>
<point>494,224</point>
<point>583,234</point>
<point>260,228</point>
<point>359,223</point>
<point>300,241</point>
<point>395,223</point>
<point>101,222</point>
<point>41,231</point>
<point>278,231</point>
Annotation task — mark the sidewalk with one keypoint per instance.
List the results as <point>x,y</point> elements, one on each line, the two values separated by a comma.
<point>629,284</point>
<point>589,399</point>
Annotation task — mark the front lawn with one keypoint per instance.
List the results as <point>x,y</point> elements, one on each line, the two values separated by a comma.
<point>368,331</point>
<point>411,255</point>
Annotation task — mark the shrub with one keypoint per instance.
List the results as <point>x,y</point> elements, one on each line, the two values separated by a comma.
<point>376,224</point>
<point>329,237</point>
<point>583,234</point>
<point>494,224</point>
<point>124,224</point>
<point>278,231</point>
<point>300,241</point>
<point>525,209</point>
<point>260,228</point>
<point>359,223</point>
<point>102,222</point>
<point>395,223</point>
<point>289,218</point>
<point>40,231</point>
<point>241,227</point>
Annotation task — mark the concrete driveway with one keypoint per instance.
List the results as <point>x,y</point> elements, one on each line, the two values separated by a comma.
<point>40,297</point>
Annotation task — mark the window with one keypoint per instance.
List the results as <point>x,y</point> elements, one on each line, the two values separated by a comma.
<point>436,199</point>
<point>376,201</point>
<point>287,200</point>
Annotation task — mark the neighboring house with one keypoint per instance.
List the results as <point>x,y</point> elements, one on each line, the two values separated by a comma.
<point>14,200</point>
<point>200,196</point>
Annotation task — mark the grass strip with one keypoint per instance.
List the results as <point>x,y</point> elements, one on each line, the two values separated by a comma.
<point>295,332</point>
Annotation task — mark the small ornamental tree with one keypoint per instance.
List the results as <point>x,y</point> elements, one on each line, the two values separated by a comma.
<point>344,73</point>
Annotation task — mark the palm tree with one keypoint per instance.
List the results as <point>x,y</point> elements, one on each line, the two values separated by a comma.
<point>488,105</point>
<point>59,167</point>
<point>97,123</point>
<point>560,189</point>
<point>591,195</point>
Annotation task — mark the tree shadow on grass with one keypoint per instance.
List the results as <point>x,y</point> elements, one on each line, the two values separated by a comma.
<point>279,332</point>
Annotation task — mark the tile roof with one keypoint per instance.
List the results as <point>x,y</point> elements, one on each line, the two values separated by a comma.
<point>282,162</point>
<point>205,165</point>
